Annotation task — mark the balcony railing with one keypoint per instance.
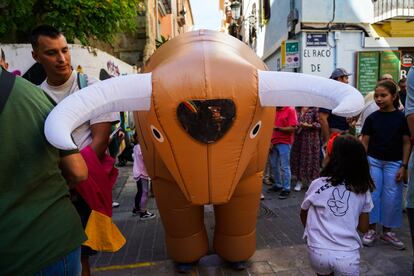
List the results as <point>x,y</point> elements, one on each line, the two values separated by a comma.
<point>393,9</point>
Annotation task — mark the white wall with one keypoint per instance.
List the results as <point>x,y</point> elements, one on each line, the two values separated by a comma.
<point>318,60</point>
<point>271,35</point>
<point>90,59</point>
<point>313,11</point>
<point>346,11</point>
<point>342,54</point>
<point>273,62</point>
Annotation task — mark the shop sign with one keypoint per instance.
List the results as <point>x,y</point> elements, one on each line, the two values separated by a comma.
<point>367,71</point>
<point>390,64</point>
<point>372,65</point>
<point>292,58</point>
<point>407,59</point>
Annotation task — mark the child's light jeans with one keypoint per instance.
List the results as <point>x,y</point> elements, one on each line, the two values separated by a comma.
<point>387,196</point>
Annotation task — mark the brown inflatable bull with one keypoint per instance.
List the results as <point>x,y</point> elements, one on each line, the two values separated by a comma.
<point>206,113</point>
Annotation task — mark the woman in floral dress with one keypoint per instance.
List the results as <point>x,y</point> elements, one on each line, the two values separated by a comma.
<point>306,148</point>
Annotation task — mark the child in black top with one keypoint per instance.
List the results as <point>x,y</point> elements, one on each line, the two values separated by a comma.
<point>385,135</point>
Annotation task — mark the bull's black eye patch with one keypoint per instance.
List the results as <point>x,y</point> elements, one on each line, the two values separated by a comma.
<point>206,120</point>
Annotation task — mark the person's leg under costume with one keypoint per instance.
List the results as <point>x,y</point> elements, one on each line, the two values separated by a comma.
<point>235,232</point>
<point>186,236</point>
<point>185,233</point>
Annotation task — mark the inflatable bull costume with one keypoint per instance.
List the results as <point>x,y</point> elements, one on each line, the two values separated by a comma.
<point>205,113</point>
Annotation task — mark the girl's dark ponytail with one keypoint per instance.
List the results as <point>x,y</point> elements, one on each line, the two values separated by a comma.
<point>348,165</point>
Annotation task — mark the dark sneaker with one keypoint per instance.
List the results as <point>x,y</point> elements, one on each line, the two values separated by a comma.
<point>135,212</point>
<point>238,265</point>
<point>274,189</point>
<point>146,215</point>
<point>284,194</point>
<point>183,267</point>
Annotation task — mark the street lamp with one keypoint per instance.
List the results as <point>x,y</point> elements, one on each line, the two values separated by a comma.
<point>235,7</point>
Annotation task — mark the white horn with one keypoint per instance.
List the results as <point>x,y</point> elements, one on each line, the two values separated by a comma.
<point>295,89</point>
<point>125,93</point>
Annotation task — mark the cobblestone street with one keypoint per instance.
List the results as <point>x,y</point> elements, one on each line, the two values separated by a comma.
<point>280,248</point>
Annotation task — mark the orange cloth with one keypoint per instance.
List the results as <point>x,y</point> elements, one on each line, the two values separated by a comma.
<point>102,233</point>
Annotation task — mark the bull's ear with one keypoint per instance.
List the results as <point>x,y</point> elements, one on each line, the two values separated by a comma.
<point>295,89</point>
<point>125,93</point>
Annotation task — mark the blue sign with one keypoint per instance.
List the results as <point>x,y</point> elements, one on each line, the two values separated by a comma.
<point>316,40</point>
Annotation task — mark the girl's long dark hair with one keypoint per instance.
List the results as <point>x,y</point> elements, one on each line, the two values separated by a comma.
<point>391,86</point>
<point>348,165</point>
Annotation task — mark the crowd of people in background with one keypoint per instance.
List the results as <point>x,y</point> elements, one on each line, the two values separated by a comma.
<point>299,142</point>
<point>353,169</point>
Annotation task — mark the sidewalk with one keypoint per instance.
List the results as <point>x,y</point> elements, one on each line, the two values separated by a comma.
<point>280,248</point>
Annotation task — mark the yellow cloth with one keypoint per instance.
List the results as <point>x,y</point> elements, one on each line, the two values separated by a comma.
<point>102,233</point>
